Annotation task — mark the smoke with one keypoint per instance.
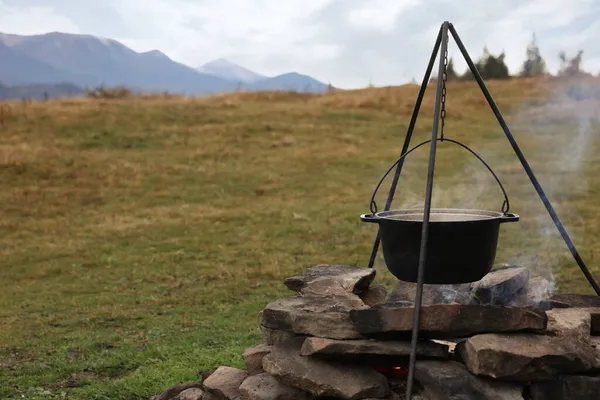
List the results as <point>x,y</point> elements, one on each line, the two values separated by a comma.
<point>560,134</point>
<point>455,294</point>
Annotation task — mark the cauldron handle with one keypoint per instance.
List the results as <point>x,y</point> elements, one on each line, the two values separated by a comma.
<point>505,205</point>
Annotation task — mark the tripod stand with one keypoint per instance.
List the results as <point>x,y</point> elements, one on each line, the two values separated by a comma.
<point>441,45</point>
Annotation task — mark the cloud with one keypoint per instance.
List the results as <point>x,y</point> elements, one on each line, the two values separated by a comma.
<point>34,19</point>
<point>347,42</point>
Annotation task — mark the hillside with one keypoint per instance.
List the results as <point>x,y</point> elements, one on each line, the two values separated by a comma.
<point>291,81</point>
<point>88,61</point>
<point>140,237</point>
<point>17,68</point>
<point>39,91</point>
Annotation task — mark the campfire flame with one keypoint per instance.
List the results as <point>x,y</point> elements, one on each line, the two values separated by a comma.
<point>391,372</point>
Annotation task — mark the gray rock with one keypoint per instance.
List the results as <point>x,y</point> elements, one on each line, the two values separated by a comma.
<point>526,357</point>
<point>352,279</point>
<point>567,387</point>
<point>374,296</point>
<point>191,394</point>
<point>332,289</point>
<point>324,378</point>
<point>594,314</point>
<point>224,383</point>
<point>272,337</point>
<point>594,317</point>
<point>569,322</point>
<point>447,320</point>
<point>575,300</point>
<point>432,294</point>
<point>376,352</point>
<point>451,381</point>
<point>267,387</point>
<point>174,391</point>
<point>536,291</point>
<point>253,358</point>
<point>313,316</point>
<point>501,286</point>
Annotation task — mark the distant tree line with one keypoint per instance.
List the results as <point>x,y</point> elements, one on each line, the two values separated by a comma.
<point>494,67</point>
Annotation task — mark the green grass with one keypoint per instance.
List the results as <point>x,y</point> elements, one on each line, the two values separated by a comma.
<point>139,238</point>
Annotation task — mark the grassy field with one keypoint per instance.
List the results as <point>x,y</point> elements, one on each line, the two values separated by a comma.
<point>140,237</point>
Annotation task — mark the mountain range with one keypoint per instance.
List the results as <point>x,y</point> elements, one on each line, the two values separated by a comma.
<point>83,61</point>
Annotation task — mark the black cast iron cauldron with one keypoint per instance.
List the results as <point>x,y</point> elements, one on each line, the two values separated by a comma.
<point>461,245</point>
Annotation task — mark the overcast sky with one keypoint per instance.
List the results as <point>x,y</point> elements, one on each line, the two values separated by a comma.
<point>346,42</point>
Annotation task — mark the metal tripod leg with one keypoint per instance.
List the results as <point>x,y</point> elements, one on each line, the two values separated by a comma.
<point>426,214</point>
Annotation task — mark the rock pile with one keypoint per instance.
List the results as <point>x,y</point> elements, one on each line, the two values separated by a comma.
<point>338,337</point>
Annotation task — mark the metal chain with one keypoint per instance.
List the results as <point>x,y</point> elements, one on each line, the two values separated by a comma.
<point>443,99</point>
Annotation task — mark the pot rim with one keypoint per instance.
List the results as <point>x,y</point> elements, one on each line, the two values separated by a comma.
<point>437,215</point>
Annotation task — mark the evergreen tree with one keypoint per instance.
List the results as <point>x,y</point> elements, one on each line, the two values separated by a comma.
<point>451,74</point>
<point>489,66</point>
<point>534,64</point>
<point>492,67</point>
<point>570,67</point>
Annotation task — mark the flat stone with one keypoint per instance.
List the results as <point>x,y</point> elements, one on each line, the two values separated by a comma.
<point>324,378</point>
<point>191,394</point>
<point>569,322</point>
<point>536,292</point>
<point>376,352</point>
<point>450,380</point>
<point>567,387</point>
<point>447,320</point>
<point>575,300</point>
<point>594,317</point>
<point>374,295</point>
<point>501,286</point>
<point>432,294</point>
<point>526,357</point>
<point>267,387</point>
<point>327,288</point>
<point>224,383</point>
<point>352,279</point>
<point>253,358</point>
<point>326,317</point>
<point>272,337</point>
